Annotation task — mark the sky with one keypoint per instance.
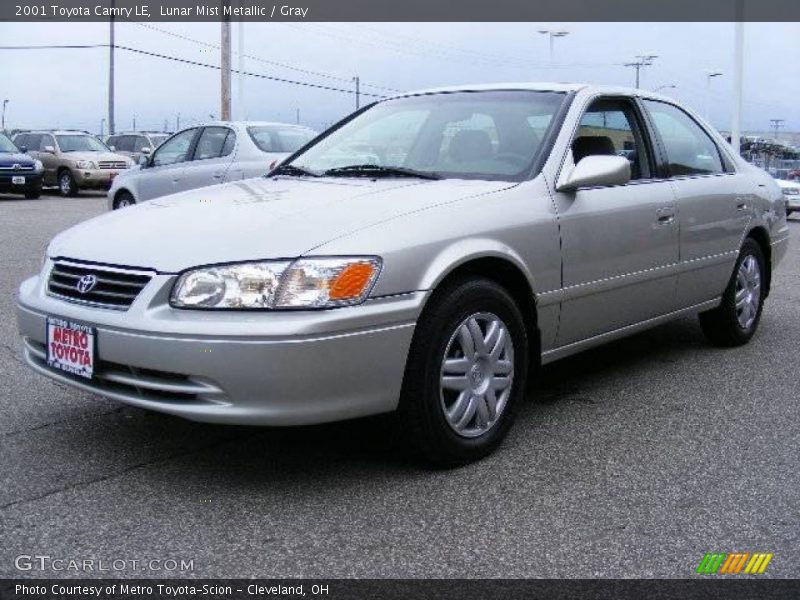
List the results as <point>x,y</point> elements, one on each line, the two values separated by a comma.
<point>67,88</point>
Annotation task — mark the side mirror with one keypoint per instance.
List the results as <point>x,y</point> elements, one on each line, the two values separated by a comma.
<point>596,171</point>
<point>145,150</point>
<point>144,160</point>
<point>50,149</point>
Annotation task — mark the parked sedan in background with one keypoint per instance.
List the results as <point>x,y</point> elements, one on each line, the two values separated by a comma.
<point>494,228</point>
<point>206,155</point>
<point>791,192</point>
<point>19,173</point>
<point>135,144</point>
<point>73,160</point>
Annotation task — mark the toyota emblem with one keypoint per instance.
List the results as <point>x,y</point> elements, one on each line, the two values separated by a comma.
<point>86,284</point>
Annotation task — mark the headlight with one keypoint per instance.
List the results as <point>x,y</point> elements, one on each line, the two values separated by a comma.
<point>304,283</point>
<point>85,164</point>
<point>38,166</point>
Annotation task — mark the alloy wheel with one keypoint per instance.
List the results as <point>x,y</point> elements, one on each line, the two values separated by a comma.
<point>477,374</point>
<point>748,291</point>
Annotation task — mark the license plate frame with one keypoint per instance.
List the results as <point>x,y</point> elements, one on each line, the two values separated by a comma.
<point>17,180</point>
<point>70,346</point>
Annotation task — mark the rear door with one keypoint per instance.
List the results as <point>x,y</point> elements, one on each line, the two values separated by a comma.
<point>212,157</point>
<point>714,202</point>
<point>164,173</point>
<point>619,243</point>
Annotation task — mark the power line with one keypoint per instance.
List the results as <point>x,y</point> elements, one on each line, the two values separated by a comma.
<point>266,61</point>
<point>197,64</point>
<point>248,73</point>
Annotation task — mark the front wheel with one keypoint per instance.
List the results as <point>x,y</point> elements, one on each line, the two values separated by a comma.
<point>466,373</point>
<point>736,319</point>
<point>123,199</point>
<point>66,184</point>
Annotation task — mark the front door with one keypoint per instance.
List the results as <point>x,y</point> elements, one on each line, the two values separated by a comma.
<point>619,243</point>
<point>164,175</point>
<point>212,158</point>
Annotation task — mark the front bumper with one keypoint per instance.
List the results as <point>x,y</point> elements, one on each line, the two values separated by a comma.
<point>33,180</point>
<point>792,202</point>
<point>279,368</point>
<point>96,178</point>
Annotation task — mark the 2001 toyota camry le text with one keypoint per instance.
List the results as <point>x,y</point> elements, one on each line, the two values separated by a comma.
<point>422,256</point>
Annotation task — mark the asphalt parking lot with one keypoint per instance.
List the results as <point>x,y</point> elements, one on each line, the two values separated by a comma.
<point>631,460</point>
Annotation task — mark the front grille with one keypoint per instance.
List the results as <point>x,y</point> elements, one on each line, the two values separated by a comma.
<point>14,169</point>
<point>112,164</point>
<point>112,288</point>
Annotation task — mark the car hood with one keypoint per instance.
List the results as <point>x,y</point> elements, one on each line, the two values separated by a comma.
<point>96,156</point>
<point>9,159</point>
<point>252,219</point>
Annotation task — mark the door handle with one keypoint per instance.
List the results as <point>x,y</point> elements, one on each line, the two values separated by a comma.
<point>741,204</point>
<point>217,175</point>
<point>666,216</point>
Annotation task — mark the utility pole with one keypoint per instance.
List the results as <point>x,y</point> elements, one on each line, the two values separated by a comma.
<point>553,35</point>
<point>642,60</point>
<point>177,122</point>
<point>358,90</point>
<point>111,70</point>
<point>3,127</point>
<point>776,124</point>
<point>240,110</point>
<point>225,68</point>
<point>738,79</point>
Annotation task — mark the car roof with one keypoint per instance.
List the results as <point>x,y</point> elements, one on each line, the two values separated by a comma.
<point>58,132</point>
<point>538,87</point>
<point>252,123</point>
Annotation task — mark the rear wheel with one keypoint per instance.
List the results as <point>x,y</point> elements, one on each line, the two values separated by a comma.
<point>736,319</point>
<point>123,199</point>
<point>66,184</point>
<point>466,373</point>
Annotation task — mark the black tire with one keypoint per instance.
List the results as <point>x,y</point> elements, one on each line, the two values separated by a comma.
<point>721,325</point>
<point>33,193</point>
<point>66,184</point>
<point>123,199</point>
<point>422,404</point>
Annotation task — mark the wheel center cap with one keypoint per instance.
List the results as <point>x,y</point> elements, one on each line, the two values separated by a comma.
<point>476,375</point>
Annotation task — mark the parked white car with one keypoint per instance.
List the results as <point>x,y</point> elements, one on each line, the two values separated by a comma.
<point>208,154</point>
<point>791,193</point>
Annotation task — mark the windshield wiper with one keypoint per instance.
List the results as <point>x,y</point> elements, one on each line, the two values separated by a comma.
<point>292,170</point>
<point>376,170</point>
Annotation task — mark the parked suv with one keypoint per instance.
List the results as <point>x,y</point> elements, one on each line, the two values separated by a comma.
<point>135,144</point>
<point>19,173</point>
<point>206,155</point>
<point>73,160</point>
<point>423,257</point>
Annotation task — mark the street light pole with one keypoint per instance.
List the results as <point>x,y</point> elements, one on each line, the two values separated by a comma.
<point>111,71</point>
<point>4,114</point>
<point>553,35</point>
<point>709,76</point>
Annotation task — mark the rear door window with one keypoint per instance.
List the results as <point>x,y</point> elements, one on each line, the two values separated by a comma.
<point>213,143</point>
<point>690,150</point>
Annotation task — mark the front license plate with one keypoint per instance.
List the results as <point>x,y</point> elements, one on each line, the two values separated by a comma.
<point>70,347</point>
<point>18,180</point>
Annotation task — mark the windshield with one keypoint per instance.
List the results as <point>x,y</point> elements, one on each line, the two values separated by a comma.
<point>80,143</point>
<point>270,138</point>
<point>6,145</point>
<point>157,139</point>
<point>468,135</point>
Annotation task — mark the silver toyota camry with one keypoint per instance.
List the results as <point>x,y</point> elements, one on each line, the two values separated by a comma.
<point>422,257</point>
